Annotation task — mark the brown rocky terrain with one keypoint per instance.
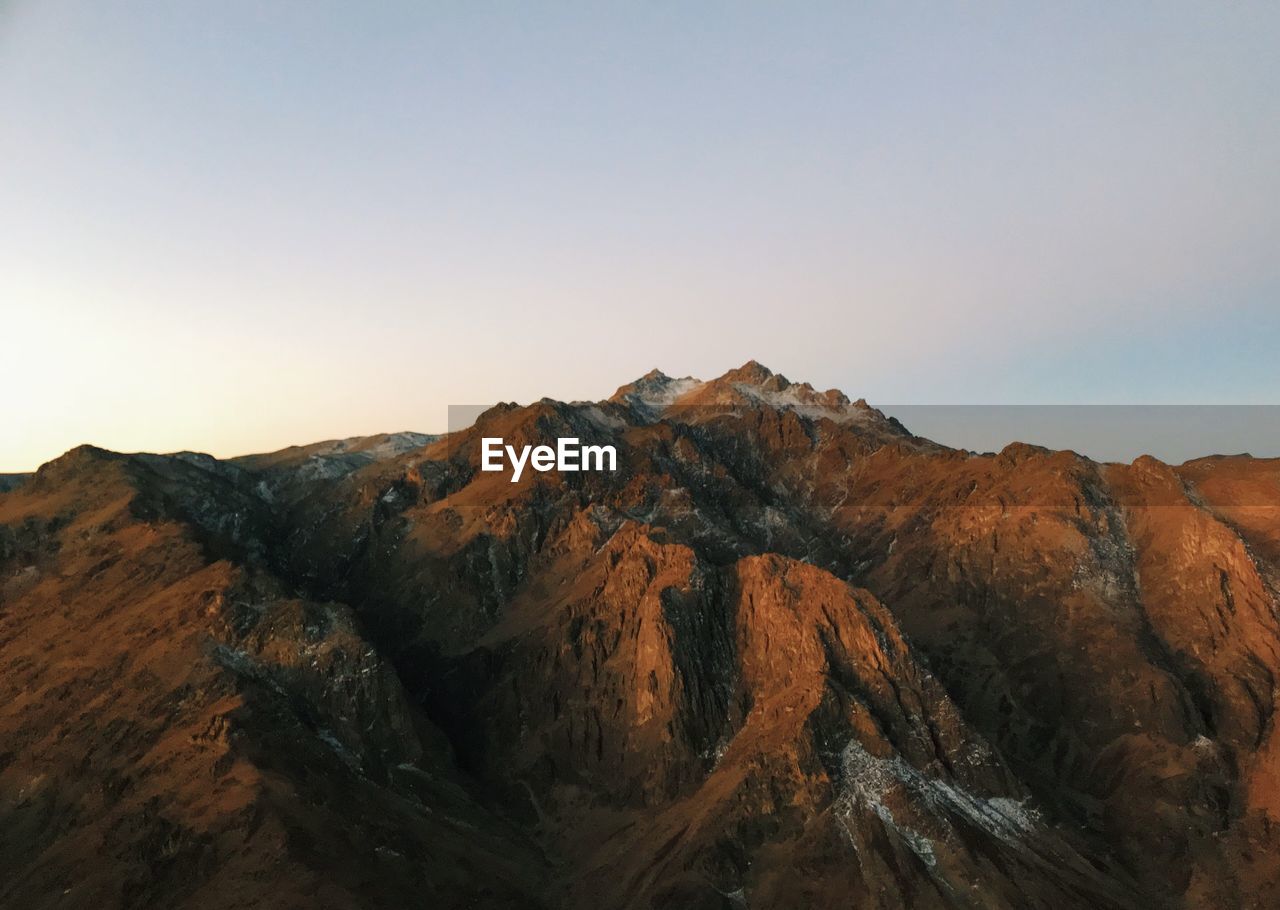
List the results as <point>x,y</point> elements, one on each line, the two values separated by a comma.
<point>788,655</point>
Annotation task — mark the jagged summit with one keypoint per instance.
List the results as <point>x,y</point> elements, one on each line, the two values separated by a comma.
<point>755,373</point>
<point>655,394</point>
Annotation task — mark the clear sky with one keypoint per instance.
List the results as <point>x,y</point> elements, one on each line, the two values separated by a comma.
<point>234,226</point>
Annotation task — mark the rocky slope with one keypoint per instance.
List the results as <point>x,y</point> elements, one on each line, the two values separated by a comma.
<point>787,655</point>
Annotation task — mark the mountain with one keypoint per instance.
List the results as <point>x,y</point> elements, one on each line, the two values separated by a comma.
<point>294,466</point>
<point>787,655</point>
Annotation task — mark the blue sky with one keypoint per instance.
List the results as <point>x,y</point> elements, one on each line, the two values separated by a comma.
<point>237,226</point>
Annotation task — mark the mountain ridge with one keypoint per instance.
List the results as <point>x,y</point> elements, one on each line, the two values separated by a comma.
<point>788,654</point>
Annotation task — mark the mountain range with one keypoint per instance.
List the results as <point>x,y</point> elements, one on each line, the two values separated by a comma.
<point>788,655</point>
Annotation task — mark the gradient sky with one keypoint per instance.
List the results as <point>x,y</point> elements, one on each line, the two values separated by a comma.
<point>234,226</point>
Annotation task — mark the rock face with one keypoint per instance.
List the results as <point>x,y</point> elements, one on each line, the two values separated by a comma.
<point>788,655</point>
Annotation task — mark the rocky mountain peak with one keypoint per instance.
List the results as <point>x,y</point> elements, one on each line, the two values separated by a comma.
<point>755,373</point>
<point>751,385</point>
<point>653,392</point>
<point>81,461</point>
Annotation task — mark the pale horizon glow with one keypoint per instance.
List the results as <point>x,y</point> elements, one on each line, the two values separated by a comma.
<point>235,227</point>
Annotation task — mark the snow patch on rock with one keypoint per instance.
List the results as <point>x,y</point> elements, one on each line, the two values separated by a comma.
<point>602,420</point>
<point>930,803</point>
<point>803,400</point>
<point>654,392</point>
